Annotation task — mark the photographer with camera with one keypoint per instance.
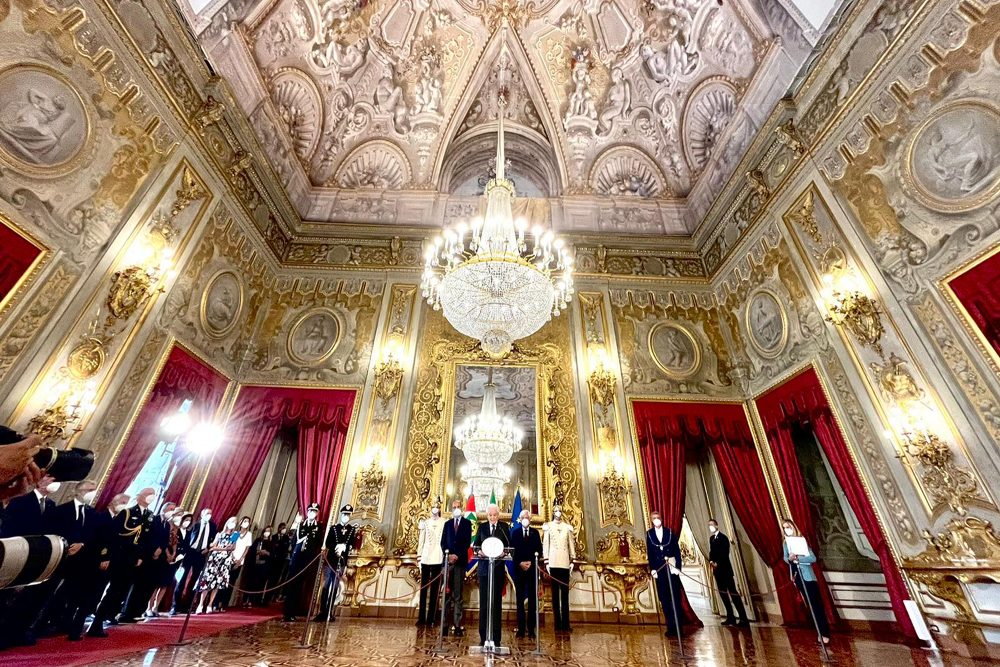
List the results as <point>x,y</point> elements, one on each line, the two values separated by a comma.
<point>18,472</point>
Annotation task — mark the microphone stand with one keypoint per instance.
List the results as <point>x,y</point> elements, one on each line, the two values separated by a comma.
<point>320,571</point>
<point>673,607</point>
<point>488,648</point>
<point>812,613</point>
<point>538,599</point>
<point>439,648</point>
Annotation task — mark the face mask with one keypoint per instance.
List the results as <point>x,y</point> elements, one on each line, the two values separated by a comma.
<point>344,518</point>
<point>245,524</point>
<point>310,515</point>
<point>713,529</point>
<point>88,497</point>
<point>176,521</point>
<point>557,514</point>
<point>186,524</point>
<point>456,513</point>
<point>168,514</point>
<point>230,524</point>
<point>435,512</point>
<point>53,487</point>
<point>267,534</point>
<point>525,522</point>
<point>121,507</point>
<point>789,531</point>
<point>657,523</point>
<point>206,517</point>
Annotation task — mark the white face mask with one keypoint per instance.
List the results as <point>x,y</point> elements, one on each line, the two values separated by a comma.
<point>186,524</point>
<point>245,524</point>
<point>267,534</point>
<point>525,522</point>
<point>53,487</point>
<point>311,515</point>
<point>176,521</point>
<point>557,514</point>
<point>121,507</point>
<point>344,518</point>
<point>789,531</point>
<point>457,513</point>
<point>435,512</point>
<point>657,523</point>
<point>230,524</point>
<point>206,516</point>
<point>88,497</point>
<point>713,529</point>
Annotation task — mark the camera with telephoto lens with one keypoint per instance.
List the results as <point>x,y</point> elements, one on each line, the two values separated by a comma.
<point>63,465</point>
<point>29,560</point>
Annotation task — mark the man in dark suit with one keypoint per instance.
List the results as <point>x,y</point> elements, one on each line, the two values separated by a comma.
<point>527,545</point>
<point>722,569</point>
<point>131,529</point>
<point>198,541</point>
<point>99,564</point>
<point>307,541</point>
<point>280,546</point>
<point>76,522</point>
<point>489,607</point>
<point>29,514</point>
<point>339,542</point>
<point>455,541</point>
<point>663,553</point>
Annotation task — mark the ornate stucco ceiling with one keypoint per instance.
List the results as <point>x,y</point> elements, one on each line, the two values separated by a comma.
<point>624,116</point>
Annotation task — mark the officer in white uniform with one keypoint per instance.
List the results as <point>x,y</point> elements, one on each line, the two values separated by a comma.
<point>430,557</point>
<point>558,552</point>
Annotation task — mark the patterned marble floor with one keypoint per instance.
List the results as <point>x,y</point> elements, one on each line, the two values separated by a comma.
<point>371,643</point>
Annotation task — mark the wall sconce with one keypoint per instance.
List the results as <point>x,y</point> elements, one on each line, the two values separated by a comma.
<point>62,419</point>
<point>614,490</point>
<point>388,374</point>
<point>602,380</point>
<point>847,305</point>
<point>916,425</point>
<point>147,268</point>
<point>369,482</point>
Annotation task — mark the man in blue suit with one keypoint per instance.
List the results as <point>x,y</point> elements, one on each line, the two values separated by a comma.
<point>527,545</point>
<point>456,540</point>
<point>664,555</point>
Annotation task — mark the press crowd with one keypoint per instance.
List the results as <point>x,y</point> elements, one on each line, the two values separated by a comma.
<point>123,562</point>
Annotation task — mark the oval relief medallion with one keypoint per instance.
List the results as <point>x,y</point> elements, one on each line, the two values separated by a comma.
<point>674,349</point>
<point>766,323</point>
<point>221,304</point>
<point>314,337</point>
<point>953,162</point>
<point>43,122</point>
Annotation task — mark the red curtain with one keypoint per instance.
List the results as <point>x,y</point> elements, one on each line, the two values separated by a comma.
<point>801,403</point>
<point>663,440</point>
<point>183,377</point>
<point>17,254</point>
<point>978,290</point>
<point>322,417</point>
<point>738,462</point>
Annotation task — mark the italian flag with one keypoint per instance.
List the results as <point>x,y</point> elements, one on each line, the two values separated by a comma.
<point>470,514</point>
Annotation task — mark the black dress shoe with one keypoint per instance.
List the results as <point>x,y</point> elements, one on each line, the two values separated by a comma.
<point>74,637</point>
<point>96,633</point>
<point>289,619</point>
<point>531,635</point>
<point>729,621</point>
<point>745,623</point>
<point>444,633</point>
<point>520,634</point>
<point>420,621</point>
<point>126,619</point>
<point>459,632</point>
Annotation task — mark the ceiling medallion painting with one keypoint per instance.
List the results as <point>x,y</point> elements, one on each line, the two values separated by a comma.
<point>656,83</point>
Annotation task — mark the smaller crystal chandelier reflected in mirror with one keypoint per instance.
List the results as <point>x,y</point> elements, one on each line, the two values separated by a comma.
<point>495,279</point>
<point>488,440</point>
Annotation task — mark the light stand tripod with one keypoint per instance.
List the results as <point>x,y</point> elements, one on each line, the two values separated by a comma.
<point>538,599</point>
<point>493,556</point>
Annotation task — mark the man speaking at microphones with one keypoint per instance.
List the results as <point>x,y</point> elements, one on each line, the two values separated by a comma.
<point>490,608</point>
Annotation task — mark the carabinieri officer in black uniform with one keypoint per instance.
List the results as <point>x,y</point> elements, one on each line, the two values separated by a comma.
<point>305,548</point>
<point>338,549</point>
<point>662,548</point>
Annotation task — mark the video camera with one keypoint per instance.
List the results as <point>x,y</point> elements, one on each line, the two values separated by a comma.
<point>29,560</point>
<point>63,465</point>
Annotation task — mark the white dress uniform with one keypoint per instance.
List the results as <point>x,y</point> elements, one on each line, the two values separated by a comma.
<point>559,550</point>
<point>431,557</point>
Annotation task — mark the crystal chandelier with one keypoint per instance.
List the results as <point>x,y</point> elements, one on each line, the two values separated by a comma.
<point>496,280</point>
<point>488,441</point>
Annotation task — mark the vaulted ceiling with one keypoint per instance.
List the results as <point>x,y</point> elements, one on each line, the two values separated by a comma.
<point>623,115</point>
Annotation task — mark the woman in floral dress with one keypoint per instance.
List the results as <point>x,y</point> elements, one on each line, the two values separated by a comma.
<point>215,576</point>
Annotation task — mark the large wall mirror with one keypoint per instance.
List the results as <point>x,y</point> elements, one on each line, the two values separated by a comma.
<point>486,467</point>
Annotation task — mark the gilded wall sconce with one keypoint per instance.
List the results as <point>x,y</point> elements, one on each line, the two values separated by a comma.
<point>369,483</point>
<point>134,285</point>
<point>62,419</point>
<point>847,306</point>
<point>614,490</point>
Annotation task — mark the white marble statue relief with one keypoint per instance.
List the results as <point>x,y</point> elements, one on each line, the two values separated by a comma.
<point>41,120</point>
<point>427,97</point>
<point>581,100</point>
<point>619,99</point>
<point>389,100</point>
<point>958,155</point>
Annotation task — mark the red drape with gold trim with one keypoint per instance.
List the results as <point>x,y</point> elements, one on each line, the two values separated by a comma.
<point>978,290</point>
<point>17,254</point>
<point>322,418</point>
<point>183,377</point>
<point>801,403</point>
